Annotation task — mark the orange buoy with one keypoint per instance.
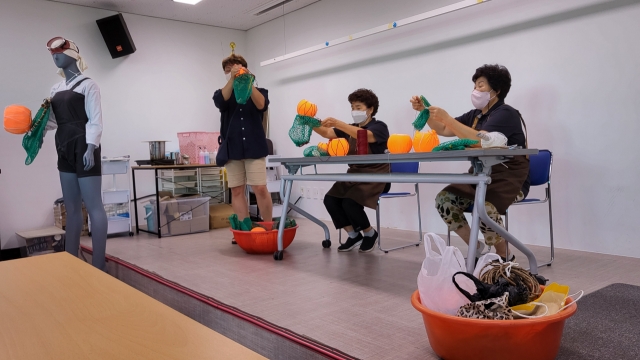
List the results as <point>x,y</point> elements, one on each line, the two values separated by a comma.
<point>17,119</point>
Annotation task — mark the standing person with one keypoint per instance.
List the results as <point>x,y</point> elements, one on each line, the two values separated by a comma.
<point>243,142</point>
<point>346,201</point>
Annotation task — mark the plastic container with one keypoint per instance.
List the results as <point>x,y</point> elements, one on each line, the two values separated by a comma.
<point>150,216</point>
<point>362,142</point>
<point>264,242</point>
<point>453,337</point>
<point>191,142</point>
<point>183,215</point>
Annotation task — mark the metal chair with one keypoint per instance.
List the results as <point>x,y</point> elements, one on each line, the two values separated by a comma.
<point>412,168</point>
<point>539,174</point>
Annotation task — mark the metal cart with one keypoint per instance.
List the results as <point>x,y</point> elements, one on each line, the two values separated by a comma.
<point>117,202</point>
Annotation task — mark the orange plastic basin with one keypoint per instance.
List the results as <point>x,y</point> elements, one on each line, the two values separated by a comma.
<point>453,337</point>
<point>263,242</point>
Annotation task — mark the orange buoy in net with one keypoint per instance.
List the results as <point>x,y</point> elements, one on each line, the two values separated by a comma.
<point>17,119</point>
<point>307,108</point>
<point>399,143</point>
<point>425,141</point>
<point>338,147</point>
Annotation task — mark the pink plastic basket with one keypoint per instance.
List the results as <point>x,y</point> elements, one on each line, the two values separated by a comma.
<point>191,142</point>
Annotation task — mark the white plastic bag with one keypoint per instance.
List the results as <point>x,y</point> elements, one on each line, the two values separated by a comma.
<point>435,284</point>
<point>483,261</point>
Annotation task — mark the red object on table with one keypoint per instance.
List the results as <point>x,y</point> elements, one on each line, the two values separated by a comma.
<point>362,142</point>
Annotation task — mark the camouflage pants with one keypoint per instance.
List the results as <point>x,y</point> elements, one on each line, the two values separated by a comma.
<point>451,209</point>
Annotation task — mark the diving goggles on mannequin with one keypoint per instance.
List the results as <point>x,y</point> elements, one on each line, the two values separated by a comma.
<point>58,45</point>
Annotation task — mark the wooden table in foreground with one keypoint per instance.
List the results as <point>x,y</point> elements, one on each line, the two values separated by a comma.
<point>58,307</point>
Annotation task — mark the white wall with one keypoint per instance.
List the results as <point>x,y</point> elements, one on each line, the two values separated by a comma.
<point>575,79</point>
<point>162,89</point>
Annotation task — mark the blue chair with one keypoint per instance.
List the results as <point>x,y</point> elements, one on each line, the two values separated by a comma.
<point>539,174</point>
<point>410,168</point>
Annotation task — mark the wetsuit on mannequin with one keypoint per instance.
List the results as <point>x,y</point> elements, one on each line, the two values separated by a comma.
<point>76,114</point>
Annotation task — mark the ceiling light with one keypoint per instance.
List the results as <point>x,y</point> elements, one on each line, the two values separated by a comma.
<point>190,2</point>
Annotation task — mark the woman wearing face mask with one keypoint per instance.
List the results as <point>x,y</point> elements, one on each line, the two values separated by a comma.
<point>509,182</point>
<point>345,201</point>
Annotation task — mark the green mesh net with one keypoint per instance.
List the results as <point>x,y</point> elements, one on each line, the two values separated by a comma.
<point>300,132</point>
<point>458,144</point>
<point>420,122</point>
<point>288,223</point>
<point>32,140</point>
<point>242,87</point>
<point>236,224</point>
<point>314,151</point>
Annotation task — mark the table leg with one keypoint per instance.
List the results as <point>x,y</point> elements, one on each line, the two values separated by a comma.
<point>135,199</point>
<point>482,213</point>
<point>158,205</point>
<point>481,190</point>
<point>288,185</point>
<point>327,234</point>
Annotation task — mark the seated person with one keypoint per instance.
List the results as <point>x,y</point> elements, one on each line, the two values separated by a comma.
<point>491,86</point>
<point>345,201</point>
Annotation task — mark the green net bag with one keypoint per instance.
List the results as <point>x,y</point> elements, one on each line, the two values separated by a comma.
<point>32,140</point>
<point>236,224</point>
<point>289,223</point>
<point>242,87</point>
<point>314,151</point>
<point>420,122</point>
<point>300,132</point>
<point>458,144</point>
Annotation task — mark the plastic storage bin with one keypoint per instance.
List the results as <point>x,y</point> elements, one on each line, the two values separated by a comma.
<point>150,216</point>
<point>191,142</point>
<point>181,216</point>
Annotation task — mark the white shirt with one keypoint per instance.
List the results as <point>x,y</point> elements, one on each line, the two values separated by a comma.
<point>92,106</point>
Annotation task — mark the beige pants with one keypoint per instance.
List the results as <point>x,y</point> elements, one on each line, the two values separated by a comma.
<point>246,172</point>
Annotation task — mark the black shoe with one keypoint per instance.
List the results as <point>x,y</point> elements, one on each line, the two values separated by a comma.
<point>513,258</point>
<point>369,242</point>
<point>350,243</point>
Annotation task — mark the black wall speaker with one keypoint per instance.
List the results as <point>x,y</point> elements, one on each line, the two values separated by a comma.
<point>116,36</point>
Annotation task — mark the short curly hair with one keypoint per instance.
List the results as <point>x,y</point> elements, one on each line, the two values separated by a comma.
<point>498,77</point>
<point>234,60</point>
<point>367,97</point>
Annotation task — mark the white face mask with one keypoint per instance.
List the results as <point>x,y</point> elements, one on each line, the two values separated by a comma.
<point>227,76</point>
<point>359,116</point>
<point>480,99</point>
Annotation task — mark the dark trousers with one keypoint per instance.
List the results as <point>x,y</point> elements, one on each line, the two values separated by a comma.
<point>345,212</point>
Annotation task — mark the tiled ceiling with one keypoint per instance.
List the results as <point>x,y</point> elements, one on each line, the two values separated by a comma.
<point>233,14</point>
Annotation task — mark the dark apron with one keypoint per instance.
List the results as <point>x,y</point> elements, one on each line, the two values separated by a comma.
<point>365,194</point>
<point>506,183</point>
<point>71,141</point>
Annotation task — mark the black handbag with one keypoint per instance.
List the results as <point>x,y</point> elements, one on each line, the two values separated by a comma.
<point>222,158</point>
<point>518,293</point>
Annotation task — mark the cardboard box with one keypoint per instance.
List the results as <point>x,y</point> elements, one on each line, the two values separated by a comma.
<point>60,218</point>
<point>219,216</point>
<point>44,241</point>
<point>195,225</point>
<point>184,215</point>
